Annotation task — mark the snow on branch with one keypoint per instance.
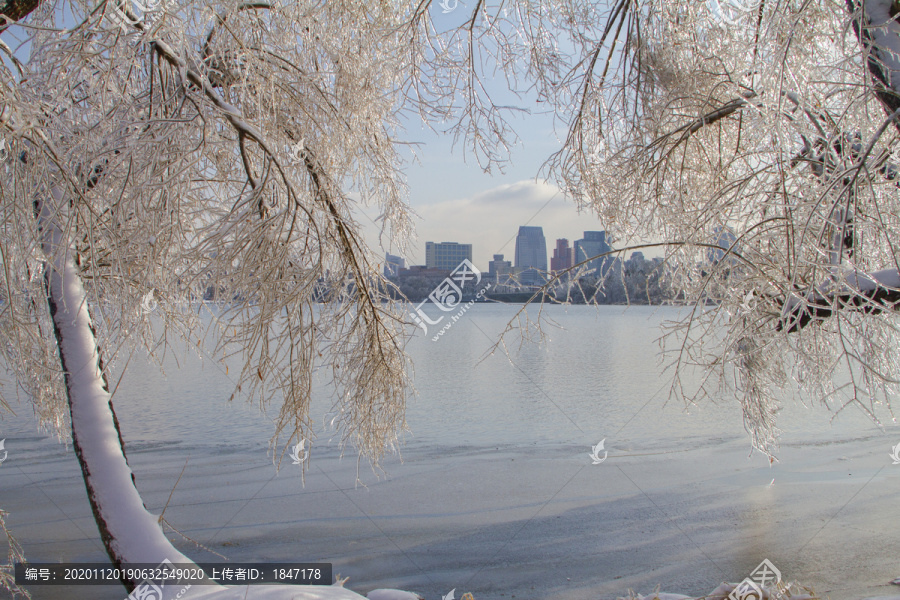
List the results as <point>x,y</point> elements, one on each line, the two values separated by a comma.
<point>878,32</point>
<point>16,554</point>
<point>129,532</point>
<point>861,292</point>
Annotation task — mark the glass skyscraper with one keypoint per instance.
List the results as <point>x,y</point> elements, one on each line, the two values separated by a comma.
<point>531,249</point>
<point>593,244</point>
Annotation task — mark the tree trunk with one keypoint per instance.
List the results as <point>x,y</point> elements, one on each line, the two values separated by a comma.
<point>129,532</point>
<point>13,10</point>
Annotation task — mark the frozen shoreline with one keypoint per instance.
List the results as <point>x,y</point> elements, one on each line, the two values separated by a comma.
<point>530,522</point>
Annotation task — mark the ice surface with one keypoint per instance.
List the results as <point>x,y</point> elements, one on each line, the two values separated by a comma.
<point>516,521</point>
<point>528,516</point>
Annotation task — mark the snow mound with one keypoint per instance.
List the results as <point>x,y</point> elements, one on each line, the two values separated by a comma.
<point>658,596</point>
<point>389,594</point>
<point>269,592</point>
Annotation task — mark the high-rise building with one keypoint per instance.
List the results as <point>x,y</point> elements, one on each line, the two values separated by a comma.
<point>392,265</point>
<point>593,245</point>
<point>446,255</point>
<point>499,269</point>
<point>724,238</point>
<point>562,256</point>
<point>531,249</point>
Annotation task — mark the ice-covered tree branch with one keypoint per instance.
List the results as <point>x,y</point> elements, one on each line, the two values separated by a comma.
<point>220,151</point>
<point>878,32</point>
<point>129,532</point>
<point>14,10</point>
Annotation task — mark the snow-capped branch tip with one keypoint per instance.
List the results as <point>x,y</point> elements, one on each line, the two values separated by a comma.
<point>864,293</point>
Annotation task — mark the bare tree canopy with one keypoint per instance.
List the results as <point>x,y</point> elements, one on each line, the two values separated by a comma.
<point>157,153</point>
<point>212,152</point>
<point>767,130</point>
<point>155,159</point>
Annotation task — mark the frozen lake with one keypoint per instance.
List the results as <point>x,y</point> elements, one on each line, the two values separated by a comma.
<point>495,493</point>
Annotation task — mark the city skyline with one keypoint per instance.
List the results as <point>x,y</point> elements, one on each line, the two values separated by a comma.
<point>447,255</point>
<point>489,220</point>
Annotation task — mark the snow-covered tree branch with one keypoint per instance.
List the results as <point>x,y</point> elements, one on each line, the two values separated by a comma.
<point>162,172</point>
<point>129,532</point>
<point>190,150</point>
<point>769,129</point>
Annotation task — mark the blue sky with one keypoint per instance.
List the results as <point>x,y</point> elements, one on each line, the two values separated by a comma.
<point>456,201</point>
